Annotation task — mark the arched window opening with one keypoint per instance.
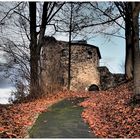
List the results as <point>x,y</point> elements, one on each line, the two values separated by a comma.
<point>89,55</point>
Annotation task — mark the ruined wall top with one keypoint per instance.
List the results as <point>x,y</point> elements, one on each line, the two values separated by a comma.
<point>50,39</point>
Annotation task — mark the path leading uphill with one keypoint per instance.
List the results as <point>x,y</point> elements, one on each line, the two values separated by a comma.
<point>63,120</point>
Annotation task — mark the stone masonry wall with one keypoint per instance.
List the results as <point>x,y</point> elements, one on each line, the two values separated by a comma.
<point>108,80</point>
<point>54,63</point>
<point>52,72</point>
<point>84,75</point>
<point>84,67</point>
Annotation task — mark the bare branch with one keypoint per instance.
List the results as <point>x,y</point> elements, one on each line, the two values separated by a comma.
<point>9,12</point>
<point>101,23</point>
<point>22,15</point>
<point>107,15</point>
<point>43,25</point>
<point>55,13</point>
<point>109,34</point>
<point>52,8</point>
<point>120,10</point>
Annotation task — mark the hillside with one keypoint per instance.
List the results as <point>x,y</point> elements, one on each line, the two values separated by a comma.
<point>108,113</point>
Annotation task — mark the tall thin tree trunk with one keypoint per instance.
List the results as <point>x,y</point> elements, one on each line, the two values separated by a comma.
<point>69,64</point>
<point>136,57</point>
<point>40,43</point>
<point>128,36</point>
<point>34,78</point>
<point>128,57</point>
<point>34,73</point>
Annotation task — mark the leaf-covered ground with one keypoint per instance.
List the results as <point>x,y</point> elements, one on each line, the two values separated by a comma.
<point>110,115</point>
<point>15,120</point>
<point>107,112</point>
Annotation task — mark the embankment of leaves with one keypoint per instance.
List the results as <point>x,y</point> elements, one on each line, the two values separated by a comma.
<point>110,115</point>
<point>16,119</point>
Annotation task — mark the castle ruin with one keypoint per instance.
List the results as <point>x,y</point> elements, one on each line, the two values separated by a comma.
<point>84,63</point>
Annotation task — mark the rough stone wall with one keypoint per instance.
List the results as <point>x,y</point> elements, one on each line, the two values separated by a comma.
<point>108,80</point>
<point>84,75</point>
<point>54,63</point>
<point>84,67</point>
<point>52,72</point>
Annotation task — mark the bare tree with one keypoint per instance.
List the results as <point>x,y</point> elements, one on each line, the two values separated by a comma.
<point>136,49</point>
<point>30,20</point>
<point>84,20</point>
<point>125,9</point>
<point>130,13</point>
<point>49,11</point>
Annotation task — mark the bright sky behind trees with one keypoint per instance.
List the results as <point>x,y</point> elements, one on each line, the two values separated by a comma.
<point>112,50</point>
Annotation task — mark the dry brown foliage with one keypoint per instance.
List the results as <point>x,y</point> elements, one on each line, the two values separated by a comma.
<point>16,119</point>
<point>110,115</point>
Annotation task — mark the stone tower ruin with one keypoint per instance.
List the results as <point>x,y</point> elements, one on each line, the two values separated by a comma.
<point>54,65</point>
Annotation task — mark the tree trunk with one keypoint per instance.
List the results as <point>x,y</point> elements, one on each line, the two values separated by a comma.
<point>136,57</point>
<point>40,40</point>
<point>34,78</point>
<point>128,58</point>
<point>69,59</point>
<point>128,36</point>
<point>34,73</point>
